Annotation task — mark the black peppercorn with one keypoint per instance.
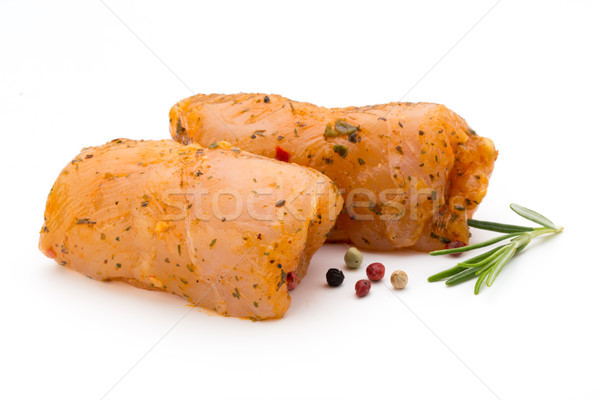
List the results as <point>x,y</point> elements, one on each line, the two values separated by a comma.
<point>267,99</point>
<point>335,277</point>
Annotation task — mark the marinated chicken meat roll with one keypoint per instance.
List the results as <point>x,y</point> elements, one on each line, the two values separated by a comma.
<point>228,230</point>
<point>411,173</point>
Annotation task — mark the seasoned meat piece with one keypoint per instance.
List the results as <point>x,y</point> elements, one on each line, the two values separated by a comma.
<point>411,173</point>
<point>221,227</point>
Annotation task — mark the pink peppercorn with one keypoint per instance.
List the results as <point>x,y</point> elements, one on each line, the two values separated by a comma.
<point>375,271</point>
<point>454,245</point>
<point>362,287</point>
<point>292,280</point>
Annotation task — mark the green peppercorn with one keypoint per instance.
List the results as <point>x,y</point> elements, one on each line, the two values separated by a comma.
<point>353,258</point>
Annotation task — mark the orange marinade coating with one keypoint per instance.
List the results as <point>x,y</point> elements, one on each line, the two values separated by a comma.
<point>220,227</point>
<point>411,173</point>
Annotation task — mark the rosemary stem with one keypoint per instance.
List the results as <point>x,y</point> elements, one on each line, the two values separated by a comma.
<point>487,266</point>
<point>476,246</point>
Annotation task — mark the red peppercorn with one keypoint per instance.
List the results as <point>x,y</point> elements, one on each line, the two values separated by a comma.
<point>281,154</point>
<point>454,245</point>
<point>292,280</point>
<point>362,287</point>
<point>375,271</point>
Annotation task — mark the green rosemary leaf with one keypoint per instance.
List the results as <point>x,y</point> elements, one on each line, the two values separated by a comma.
<point>480,281</point>
<point>497,227</point>
<point>463,276</point>
<point>474,246</point>
<point>480,257</point>
<point>485,268</point>
<point>488,259</point>
<point>502,261</point>
<point>460,267</point>
<point>533,216</point>
<point>446,273</point>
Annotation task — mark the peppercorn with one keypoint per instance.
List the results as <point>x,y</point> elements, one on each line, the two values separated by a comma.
<point>399,279</point>
<point>353,258</point>
<point>375,271</point>
<point>334,277</point>
<point>292,280</point>
<point>454,245</point>
<point>362,287</point>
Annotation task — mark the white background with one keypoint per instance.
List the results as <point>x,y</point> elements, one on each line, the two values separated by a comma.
<point>526,75</point>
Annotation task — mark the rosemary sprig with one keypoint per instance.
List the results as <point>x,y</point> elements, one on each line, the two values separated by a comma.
<point>486,267</point>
